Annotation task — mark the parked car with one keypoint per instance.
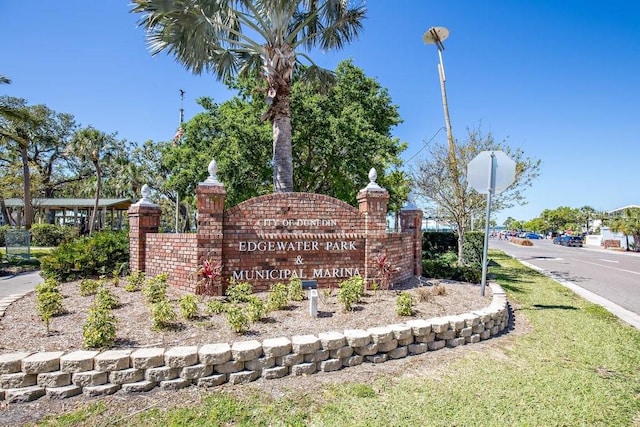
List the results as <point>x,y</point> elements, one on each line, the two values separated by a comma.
<point>575,241</point>
<point>557,239</point>
<point>532,236</point>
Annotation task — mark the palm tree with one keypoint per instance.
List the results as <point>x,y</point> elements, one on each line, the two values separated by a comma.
<point>254,38</point>
<point>628,224</point>
<point>91,145</point>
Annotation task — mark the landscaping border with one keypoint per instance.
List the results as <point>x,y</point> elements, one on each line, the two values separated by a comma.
<point>28,376</point>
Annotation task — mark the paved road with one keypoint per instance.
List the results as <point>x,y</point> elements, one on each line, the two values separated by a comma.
<point>19,284</point>
<point>611,279</point>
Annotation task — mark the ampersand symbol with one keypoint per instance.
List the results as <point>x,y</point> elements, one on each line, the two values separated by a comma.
<point>299,260</point>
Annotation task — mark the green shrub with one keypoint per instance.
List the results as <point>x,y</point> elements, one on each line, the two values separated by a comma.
<point>49,301</point>
<point>51,234</point>
<point>134,281</point>
<point>404,304</point>
<point>3,229</point>
<point>238,292</point>
<point>255,309</point>
<point>155,288</point>
<point>162,314</point>
<point>215,306</point>
<point>87,256</point>
<point>106,299</point>
<point>237,318</point>
<point>188,306</point>
<point>351,291</point>
<point>278,297</point>
<point>88,287</point>
<point>294,289</point>
<point>435,243</point>
<point>99,330</point>
<point>473,247</point>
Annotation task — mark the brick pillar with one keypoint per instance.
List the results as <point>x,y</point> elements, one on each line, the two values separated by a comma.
<point>372,203</point>
<point>211,195</point>
<point>411,222</point>
<point>144,218</point>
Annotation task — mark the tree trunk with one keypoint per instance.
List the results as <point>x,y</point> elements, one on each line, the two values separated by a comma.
<point>4,212</point>
<point>460,244</point>
<point>95,205</point>
<point>282,150</point>
<point>28,209</point>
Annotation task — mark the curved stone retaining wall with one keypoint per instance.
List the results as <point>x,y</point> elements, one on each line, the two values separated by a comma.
<point>29,376</point>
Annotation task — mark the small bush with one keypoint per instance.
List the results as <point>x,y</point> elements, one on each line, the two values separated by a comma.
<point>237,318</point>
<point>188,306</point>
<point>351,291</point>
<point>404,304</point>
<point>49,301</point>
<point>155,288</point>
<point>106,299</point>
<point>51,234</point>
<point>162,315</point>
<point>99,330</point>
<point>294,290</point>
<point>88,287</point>
<point>134,281</point>
<point>473,247</point>
<point>278,297</point>
<point>238,292</point>
<point>255,309</point>
<point>215,306</point>
<point>438,290</point>
<point>521,242</point>
<point>424,294</point>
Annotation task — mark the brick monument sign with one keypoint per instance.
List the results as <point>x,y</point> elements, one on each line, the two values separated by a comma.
<point>276,237</point>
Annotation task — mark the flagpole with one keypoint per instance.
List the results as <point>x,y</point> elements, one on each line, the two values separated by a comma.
<point>179,128</point>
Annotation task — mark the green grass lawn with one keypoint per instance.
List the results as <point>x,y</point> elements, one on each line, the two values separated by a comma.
<point>577,365</point>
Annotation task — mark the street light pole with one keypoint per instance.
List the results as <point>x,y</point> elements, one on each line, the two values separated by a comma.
<point>436,35</point>
<point>182,92</point>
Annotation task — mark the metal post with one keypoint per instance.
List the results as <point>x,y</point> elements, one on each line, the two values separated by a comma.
<point>492,186</point>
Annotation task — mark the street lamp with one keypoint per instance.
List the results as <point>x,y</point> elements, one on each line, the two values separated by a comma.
<point>436,35</point>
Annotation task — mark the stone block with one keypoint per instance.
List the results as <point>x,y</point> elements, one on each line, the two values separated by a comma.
<point>477,328</point>
<point>146,358</point>
<point>465,332</point>
<point>330,365</point>
<point>39,363</point>
<point>305,344</point>
<point>212,380</point>
<point>431,336</point>
<point>89,378</point>
<point>484,335</point>
<point>317,356</point>
<point>495,330</point>
<point>377,358</point>
<point>229,367</point>
<point>179,357</point>
<point>456,322</point>
<point>276,347</point>
<point>18,380</point>
<point>243,377</point>
<point>398,353</point>
<point>473,339</point>
<point>260,363</point>
<point>112,360</point>
<point>290,359</point>
<point>407,341</point>
<point>196,371</point>
<point>175,384</point>
<point>352,361</point>
<point>11,363</point>
<point>436,345</point>
<point>23,394</point>
<point>242,351</point>
<point>418,348</point>
<point>163,373</point>
<point>455,342</point>
<point>100,390</point>
<point>341,352</point>
<point>401,331</point>
<point>446,335</point>
<point>214,354</point>
<point>440,325</point>
<point>54,379</point>
<point>126,376</point>
<point>357,337</point>
<point>489,324</point>
<point>366,350</point>
<point>419,327</point>
<point>275,372</point>
<point>380,334</point>
<point>387,346</point>
<point>77,361</point>
<point>138,387</point>
<point>303,369</point>
<point>63,392</point>
<point>470,319</point>
<point>332,340</point>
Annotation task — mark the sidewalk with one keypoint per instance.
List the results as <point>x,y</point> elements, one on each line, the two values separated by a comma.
<point>13,288</point>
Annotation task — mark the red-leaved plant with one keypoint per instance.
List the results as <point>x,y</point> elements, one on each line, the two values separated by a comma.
<point>206,277</point>
<point>384,270</point>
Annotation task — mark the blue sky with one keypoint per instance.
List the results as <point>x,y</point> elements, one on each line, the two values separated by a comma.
<point>558,79</point>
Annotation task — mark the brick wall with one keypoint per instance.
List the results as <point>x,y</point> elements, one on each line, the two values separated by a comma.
<point>174,254</point>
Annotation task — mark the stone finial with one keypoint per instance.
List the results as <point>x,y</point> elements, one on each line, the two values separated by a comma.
<point>146,197</point>
<point>411,203</point>
<point>373,175</point>
<point>213,171</point>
